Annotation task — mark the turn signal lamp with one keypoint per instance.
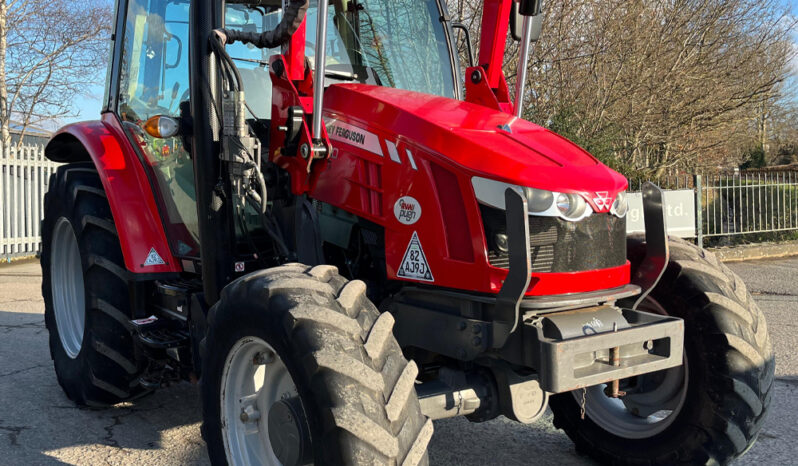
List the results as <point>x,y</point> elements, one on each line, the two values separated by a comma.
<point>161,127</point>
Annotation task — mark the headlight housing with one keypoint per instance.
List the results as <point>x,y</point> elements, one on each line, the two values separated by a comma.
<point>571,206</point>
<point>621,205</point>
<point>540,202</point>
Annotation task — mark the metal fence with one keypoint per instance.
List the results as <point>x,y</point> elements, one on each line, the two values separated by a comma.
<point>24,178</point>
<point>747,203</point>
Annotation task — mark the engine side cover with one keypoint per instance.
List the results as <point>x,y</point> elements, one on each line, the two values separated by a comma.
<point>405,160</point>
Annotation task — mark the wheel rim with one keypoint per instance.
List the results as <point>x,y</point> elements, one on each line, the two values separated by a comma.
<point>253,379</point>
<point>647,412</point>
<point>69,299</point>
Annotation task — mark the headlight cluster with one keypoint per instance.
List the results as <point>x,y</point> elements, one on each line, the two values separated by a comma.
<point>568,206</point>
<point>621,205</point>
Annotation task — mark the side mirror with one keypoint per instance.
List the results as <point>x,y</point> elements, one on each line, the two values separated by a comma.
<point>517,13</point>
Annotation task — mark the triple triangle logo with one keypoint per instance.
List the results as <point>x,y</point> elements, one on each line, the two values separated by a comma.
<point>414,264</point>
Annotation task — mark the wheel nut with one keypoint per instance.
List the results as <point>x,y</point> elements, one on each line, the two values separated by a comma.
<point>249,414</point>
<point>265,357</point>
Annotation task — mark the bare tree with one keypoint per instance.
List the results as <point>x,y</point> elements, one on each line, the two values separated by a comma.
<point>657,85</point>
<point>50,51</point>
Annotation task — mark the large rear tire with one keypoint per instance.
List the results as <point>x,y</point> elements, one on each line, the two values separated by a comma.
<point>326,346</point>
<point>87,306</point>
<point>729,375</point>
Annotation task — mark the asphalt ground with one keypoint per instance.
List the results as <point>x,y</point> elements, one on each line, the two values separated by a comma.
<point>39,425</point>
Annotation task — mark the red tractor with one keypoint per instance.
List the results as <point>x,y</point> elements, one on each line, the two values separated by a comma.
<point>312,211</point>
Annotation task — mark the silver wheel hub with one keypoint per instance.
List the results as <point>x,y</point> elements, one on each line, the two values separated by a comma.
<point>643,413</point>
<point>69,295</point>
<point>254,379</point>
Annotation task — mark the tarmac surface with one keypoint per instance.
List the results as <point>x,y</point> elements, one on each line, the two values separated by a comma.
<point>39,425</point>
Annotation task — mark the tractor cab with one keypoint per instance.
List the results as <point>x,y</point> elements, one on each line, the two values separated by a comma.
<point>376,42</point>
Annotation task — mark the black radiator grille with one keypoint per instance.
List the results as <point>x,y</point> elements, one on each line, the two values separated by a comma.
<point>557,245</point>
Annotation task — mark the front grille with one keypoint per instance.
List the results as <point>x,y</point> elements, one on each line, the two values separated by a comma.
<point>557,245</point>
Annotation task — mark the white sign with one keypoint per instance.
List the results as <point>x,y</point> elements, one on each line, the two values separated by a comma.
<point>414,264</point>
<point>407,210</point>
<point>679,210</point>
<point>153,258</point>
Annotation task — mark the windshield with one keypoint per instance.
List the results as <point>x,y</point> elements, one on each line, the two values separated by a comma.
<point>402,42</point>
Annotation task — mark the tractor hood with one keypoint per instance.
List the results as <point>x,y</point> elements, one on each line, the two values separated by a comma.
<point>485,142</point>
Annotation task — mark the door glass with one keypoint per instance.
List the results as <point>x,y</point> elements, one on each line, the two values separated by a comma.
<point>402,41</point>
<point>252,62</point>
<point>155,81</point>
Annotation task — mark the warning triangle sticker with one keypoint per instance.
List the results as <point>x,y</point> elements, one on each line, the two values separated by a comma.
<point>153,258</point>
<point>414,264</point>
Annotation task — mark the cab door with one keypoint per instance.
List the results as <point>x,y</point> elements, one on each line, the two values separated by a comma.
<point>154,80</point>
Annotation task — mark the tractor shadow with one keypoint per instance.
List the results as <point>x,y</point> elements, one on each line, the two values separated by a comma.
<point>39,425</point>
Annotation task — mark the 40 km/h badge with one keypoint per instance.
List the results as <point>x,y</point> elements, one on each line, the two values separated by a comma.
<point>414,264</point>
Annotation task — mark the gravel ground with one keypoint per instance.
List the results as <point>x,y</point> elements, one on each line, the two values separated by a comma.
<point>39,425</point>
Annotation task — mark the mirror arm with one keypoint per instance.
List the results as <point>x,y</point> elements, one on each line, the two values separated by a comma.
<point>179,51</point>
<point>467,33</point>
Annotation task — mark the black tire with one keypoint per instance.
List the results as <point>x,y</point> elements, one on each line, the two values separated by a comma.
<point>334,343</point>
<point>730,371</point>
<point>106,370</point>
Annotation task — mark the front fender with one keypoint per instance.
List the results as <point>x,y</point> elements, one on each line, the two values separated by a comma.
<point>127,187</point>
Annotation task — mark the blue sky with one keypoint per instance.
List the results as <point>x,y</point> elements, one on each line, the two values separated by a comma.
<point>88,105</point>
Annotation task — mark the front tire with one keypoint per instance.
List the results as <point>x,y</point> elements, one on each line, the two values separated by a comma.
<point>334,357</point>
<point>87,306</point>
<point>729,373</point>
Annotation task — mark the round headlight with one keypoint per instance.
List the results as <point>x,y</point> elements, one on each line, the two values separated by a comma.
<point>538,200</point>
<point>564,203</point>
<point>571,206</point>
<point>621,205</point>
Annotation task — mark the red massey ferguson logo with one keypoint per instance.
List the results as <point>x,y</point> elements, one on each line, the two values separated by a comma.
<point>603,200</point>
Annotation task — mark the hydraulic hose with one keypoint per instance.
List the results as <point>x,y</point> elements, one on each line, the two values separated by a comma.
<point>293,16</point>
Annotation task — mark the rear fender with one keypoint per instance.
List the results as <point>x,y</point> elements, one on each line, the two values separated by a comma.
<point>127,186</point>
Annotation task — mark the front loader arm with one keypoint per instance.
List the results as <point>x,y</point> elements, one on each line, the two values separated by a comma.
<point>486,83</point>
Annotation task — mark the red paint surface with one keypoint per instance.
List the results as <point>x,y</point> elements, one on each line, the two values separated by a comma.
<point>493,38</point>
<point>451,141</point>
<point>133,205</point>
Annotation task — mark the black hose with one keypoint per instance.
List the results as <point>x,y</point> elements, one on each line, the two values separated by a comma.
<point>228,66</point>
<point>293,16</point>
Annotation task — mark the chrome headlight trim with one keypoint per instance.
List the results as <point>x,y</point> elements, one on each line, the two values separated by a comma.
<point>620,207</point>
<point>540,202</point>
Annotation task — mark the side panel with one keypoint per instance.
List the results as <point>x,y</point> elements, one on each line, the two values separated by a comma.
<point>129,192</point>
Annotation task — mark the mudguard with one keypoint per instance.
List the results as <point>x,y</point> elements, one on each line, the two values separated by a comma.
<point>127,186</point>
